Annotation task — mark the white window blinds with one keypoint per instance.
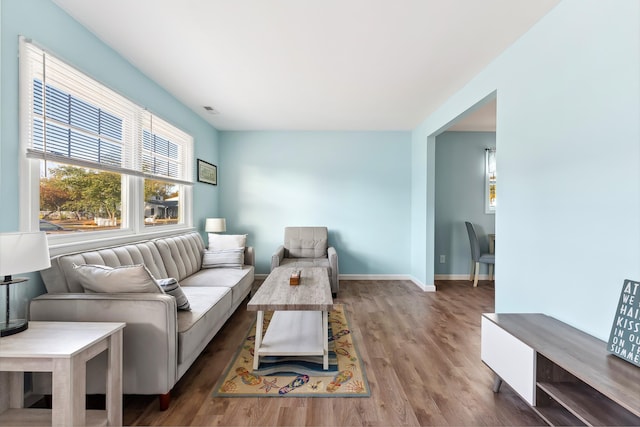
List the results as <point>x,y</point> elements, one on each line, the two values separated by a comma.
<point>73,119</point>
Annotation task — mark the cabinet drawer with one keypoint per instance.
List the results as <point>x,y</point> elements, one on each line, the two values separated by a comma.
<point>510,359</point>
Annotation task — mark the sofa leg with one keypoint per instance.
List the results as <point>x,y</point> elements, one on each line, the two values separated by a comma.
<point>164,401</point>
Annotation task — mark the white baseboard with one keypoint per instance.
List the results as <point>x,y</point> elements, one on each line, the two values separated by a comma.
<point>426,288</point>
<point>375,277</point>
<point>459,277</point>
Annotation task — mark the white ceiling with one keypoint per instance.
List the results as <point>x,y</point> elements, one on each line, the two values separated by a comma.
<point>483,119</point>
<point>310,65</point>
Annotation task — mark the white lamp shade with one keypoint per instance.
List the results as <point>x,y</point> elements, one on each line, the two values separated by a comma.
<point>215,225</point>
<point>23,253</point>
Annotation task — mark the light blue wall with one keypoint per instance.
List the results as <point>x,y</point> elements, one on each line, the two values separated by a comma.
<point>57,32</point>
<point>356,183</point>
<point>421,229</point>
<point>568,138</point>
<point>459,197</point>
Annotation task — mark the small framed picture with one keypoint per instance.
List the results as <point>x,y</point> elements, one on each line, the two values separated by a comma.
<point>207,173</point>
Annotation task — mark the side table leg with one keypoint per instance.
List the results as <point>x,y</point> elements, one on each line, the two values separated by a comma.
<point>114,380</point>
<point>16,389</point>
<point>258,339</point>
<point>325,340</point>
<point>68,392</point>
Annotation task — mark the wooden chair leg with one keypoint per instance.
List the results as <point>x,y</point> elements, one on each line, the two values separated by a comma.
<point>471,270</point>
<point>490,271</point>
<point>164,399</point>
<point>475,277</point>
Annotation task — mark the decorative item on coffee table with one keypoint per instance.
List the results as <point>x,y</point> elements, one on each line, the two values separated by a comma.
<point>294,279</point>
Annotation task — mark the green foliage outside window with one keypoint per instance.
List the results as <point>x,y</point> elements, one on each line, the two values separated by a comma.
<point>75,194</point>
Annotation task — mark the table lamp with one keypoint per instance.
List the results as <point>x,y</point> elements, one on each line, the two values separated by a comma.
<point>20,253</point>
<point>215,225</point>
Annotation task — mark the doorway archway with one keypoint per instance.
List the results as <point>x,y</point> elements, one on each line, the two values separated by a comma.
<point>480,116</point>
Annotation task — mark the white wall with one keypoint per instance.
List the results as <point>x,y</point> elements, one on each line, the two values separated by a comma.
<point>568,138</point>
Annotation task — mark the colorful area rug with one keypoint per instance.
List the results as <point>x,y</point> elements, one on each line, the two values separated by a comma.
<point>298,376</point>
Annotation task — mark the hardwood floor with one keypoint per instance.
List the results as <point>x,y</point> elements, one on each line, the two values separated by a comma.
<point>421,353</point>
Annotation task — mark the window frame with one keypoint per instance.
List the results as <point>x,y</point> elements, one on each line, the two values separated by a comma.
<point>488,208</point>
<point>133,184</point>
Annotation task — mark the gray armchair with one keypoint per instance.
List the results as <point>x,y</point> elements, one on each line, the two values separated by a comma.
<point>308,247</point>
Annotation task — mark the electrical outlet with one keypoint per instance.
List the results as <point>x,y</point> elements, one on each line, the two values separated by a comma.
<point>443,259</point>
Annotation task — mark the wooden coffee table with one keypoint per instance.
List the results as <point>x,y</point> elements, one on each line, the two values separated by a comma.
<point>300,322</point>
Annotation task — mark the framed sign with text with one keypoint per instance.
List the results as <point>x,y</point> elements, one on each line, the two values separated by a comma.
<point>624,340</point>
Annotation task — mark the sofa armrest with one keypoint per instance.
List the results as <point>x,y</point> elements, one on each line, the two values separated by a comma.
<point>150,351</point>
<point>249,256</point>
<point>277,256</point>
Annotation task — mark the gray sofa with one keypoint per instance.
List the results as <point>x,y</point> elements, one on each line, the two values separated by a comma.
<point>308,247</point>
<point>160,342</point>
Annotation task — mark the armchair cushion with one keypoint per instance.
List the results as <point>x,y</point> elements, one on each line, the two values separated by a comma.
<point>305,242</point>
<point>306,262</point>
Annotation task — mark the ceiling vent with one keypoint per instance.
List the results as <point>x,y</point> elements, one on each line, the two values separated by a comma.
<point>210,110</point>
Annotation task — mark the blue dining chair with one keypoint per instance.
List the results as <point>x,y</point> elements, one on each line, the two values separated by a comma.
<point>477,257</point>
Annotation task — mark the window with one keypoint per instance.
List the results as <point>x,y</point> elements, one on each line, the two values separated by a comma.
<point>95,161</point>
<point>490,180</point>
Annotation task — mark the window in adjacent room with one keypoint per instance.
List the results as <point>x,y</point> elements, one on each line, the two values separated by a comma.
<point>490,180</point>
<point>96,162</point>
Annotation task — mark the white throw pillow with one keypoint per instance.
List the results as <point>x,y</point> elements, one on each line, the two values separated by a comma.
<point>225,258</point>
<point>219,242</point>
<point>126,278</point>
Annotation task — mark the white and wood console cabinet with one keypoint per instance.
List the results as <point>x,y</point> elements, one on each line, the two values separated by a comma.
<point>566,375</point>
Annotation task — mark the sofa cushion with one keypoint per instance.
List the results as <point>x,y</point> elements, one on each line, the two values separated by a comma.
<point>225,258</point>
<point>227,241</point>
<point>239,280</point>
<point>126,278</point>
<point>210,307</point>
<point>171,287</point>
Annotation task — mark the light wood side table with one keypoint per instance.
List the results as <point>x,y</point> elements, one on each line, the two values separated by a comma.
<point>63,348</point>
